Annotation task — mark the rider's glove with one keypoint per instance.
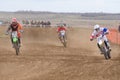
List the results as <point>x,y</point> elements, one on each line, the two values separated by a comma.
<point>21,31</point>
<point>91,39</point>
<point>6,33</point>
<point>106,33</point>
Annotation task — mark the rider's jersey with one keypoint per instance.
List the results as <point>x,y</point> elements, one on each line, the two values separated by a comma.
<point>15,27</point>
<point>102,31</point>
<point>60,29</point>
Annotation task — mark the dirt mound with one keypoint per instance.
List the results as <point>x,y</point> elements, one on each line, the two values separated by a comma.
<point>43,57</point>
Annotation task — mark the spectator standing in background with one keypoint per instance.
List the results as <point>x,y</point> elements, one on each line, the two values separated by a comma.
<point>119,28</point>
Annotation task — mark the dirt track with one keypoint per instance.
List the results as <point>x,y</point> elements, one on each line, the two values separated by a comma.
<point>43,57</point>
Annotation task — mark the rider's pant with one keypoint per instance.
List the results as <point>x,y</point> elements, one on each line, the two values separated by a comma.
<point>105,41</point>
<point>19,40</point>
<point>59,35</point>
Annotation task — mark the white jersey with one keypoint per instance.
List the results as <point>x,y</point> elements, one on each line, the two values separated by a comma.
<point>99,33</point>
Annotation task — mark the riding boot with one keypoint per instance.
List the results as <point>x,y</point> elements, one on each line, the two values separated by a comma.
<point>99,48</point>
<point>108,45</point>
<point>19,40</point>
<point>65,37</point>
<point>12,42</point>
<point>60,39</point>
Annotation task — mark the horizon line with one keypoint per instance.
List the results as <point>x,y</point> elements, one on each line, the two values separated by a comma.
<point>60,12</point>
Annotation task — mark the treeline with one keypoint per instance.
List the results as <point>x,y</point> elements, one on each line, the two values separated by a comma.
<point>101,16</point>
<point>53,15</point>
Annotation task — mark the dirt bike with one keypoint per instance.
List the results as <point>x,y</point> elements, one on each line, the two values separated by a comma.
<point>104,49</point>
<point>15,41</point>
<point>63,38</point>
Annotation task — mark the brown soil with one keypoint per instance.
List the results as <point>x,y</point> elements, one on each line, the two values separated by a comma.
<point>43,57</point>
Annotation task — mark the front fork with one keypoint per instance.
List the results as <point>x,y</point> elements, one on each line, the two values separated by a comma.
<point>106,46</point>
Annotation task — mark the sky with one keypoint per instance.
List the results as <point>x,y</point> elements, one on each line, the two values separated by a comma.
<point>82,6</point>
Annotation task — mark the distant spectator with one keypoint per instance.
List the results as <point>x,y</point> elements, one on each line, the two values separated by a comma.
<point>119,28</point>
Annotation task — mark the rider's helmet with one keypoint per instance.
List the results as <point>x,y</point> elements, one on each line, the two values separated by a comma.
<point>96,27</point>
<point>14,20</point>
<point>61,25</point>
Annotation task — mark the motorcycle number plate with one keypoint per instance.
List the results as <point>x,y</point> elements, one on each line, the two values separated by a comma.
<point>14,34</point>
<point>100,42</point>
<point>62,33</point>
